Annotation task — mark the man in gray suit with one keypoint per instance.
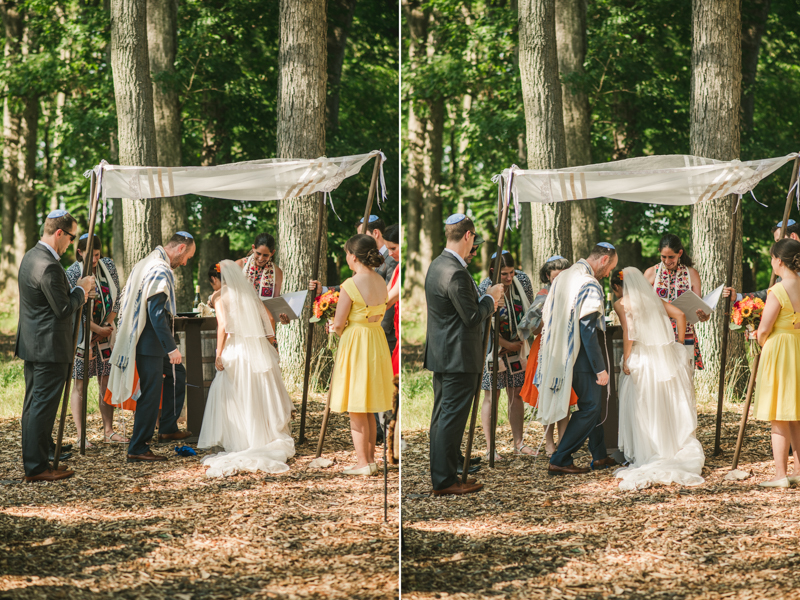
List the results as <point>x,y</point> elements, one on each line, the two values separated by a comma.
<point>454,350</point>
<point>45,337</point>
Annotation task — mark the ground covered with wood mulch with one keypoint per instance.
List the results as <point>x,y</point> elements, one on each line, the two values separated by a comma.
<point>164,531</point>
<point>528,535</point>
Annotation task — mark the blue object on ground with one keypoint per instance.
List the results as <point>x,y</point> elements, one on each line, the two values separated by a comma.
<point>185,451</point>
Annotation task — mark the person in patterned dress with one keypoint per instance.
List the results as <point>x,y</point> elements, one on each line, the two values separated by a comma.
<point>102,327</point>
<point>673,277</point>
<point>266,277</point>
<point>513,355</point>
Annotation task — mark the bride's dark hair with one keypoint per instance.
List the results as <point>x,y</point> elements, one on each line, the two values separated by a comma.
<point>616,278</point>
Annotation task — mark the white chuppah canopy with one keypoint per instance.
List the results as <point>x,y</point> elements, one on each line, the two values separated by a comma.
<point>268,179</point>
<point>672,180</point>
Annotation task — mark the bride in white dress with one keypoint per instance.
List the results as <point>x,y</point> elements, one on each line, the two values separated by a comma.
<point>657,409</point>
<point>248,412</point>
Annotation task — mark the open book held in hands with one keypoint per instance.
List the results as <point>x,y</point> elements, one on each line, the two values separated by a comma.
<point>289,304</point>
<point>689,303</point>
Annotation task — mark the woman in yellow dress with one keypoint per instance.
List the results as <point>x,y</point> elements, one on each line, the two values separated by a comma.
<point>778,382</point>
<point>362,376</point>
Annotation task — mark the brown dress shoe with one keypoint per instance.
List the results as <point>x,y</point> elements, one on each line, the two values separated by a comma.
<point>603,463</point>
<point>178,435</point>
<point>568,470</point>
<point>458,489</point>
<point>50,475</point>
<point>146,457</point>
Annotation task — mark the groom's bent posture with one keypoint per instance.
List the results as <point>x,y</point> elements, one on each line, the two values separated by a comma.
<point>454,350</point>
<point>571,317</point>
<point>47,307</point>
<point>145,339</point>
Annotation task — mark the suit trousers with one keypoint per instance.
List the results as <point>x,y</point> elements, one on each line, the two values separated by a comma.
<point>583,423</point>
<point>155,374</point>
<point>452,399</point>
<point>44,384</point>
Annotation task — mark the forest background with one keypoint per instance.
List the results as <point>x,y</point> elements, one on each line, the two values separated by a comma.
<point>631,63</point>
<point>215,67</point>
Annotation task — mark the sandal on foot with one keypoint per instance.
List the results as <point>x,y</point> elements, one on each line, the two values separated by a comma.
<point>109,439</point>
<point>497,457</point>
<point>519,452</point>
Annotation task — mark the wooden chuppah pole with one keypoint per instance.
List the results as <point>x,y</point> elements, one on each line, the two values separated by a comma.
<point>501,230</point>
<point>87,314</point>
<point>498,258</point>
<point>310,334</point>
<point>725,330</point>
<point>326,415</point>
<point>93,199</point>
<point>751,384</point>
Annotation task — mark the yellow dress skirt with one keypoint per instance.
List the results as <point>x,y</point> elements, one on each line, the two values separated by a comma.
<point>362,375</point>
<point>778,380</point>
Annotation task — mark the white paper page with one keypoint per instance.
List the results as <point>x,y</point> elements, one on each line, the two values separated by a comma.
<point>712,298</point>
<point>689,302</point>
<point>290,304</point>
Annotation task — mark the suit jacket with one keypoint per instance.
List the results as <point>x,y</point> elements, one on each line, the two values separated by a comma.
<point>386,270</point>
<point>156,338</point>
<point>590,355</point>
<point>454,343</point>
<point>46,309</point>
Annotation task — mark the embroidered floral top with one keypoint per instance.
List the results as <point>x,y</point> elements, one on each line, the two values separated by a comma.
<point>262,278</point>
<point>107,285</point>
<point>508,330</point>
<point>669,285</point>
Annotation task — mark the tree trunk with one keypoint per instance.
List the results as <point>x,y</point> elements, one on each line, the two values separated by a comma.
<point>430,235</point>
<point>162,46</point>
<point>12,23</point>
<point>340,15</point>
<point>301,134</point>
<point>571,41</point>
<point>213,246</point>
<point>715,103</point>
<point>25,233</point>
<point>414,276</point>
<point>754,22</point>
<point>544,123</point>
<point>133,92</point>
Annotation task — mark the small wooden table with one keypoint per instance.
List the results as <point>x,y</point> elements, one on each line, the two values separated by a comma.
<point>193,361</point>
<point>609,403</point>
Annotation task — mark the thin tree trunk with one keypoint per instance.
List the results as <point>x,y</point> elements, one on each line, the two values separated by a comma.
<point>133,92</point>
<point>414,276</point>
<point>214,246</point>
<point>571,40</point>
<point>301,134</point>
<point>340,17</point>
<point>715,105</point>
<point>162,47</point>
<point>12,22</point>
<point>544,123</point>
<point>117,223</point>
<point>430,238</point>
<point>25,224</point>
<point>754,22</point>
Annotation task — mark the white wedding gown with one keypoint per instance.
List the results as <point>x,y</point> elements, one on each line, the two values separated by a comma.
<point>248,413</point>
<point>657,408</point>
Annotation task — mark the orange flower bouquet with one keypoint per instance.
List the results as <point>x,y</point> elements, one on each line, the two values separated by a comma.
<point>325,309</point>
<point>746,314</point>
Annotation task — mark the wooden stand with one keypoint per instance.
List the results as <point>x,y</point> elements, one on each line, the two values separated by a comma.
<point>195,386</point>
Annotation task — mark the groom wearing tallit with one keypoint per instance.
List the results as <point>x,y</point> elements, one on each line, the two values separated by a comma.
<point>145,340</point>
<point>570,358</point>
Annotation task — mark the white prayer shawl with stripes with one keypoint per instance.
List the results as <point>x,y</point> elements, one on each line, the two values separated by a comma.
<point>152,275</point>
<point>575,293</point>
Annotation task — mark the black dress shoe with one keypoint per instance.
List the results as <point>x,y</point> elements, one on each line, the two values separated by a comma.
<point>473,469</point>
<point>475,460</point>
<point>63,456</point>
<point>64,448</point>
